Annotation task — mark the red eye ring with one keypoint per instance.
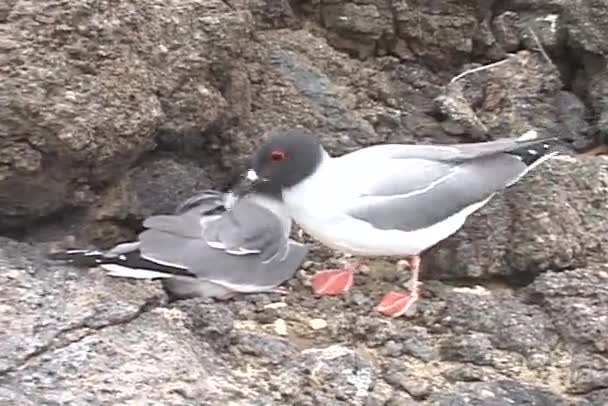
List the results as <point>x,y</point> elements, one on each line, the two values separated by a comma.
<point>277,156</point>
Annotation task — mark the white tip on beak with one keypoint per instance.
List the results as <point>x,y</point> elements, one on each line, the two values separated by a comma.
<point>251,175</point>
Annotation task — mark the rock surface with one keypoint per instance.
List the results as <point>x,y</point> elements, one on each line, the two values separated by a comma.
<point>78,337</point>
<point>91,87</point>
<point>114,110</point>
<point>88,85</point>
<point>517,233</point>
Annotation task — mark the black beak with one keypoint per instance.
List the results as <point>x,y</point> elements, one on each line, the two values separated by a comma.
<point>247,183</point>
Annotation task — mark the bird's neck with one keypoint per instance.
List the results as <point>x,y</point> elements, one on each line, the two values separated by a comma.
<point>309,194</point>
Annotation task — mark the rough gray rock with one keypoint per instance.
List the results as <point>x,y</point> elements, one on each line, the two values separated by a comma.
<point>78,337</point>
<point>48,307</point>
<point>161,182</point>
<point>580,297</point>
<point>578,302</point>
<point>209,90</point>
<point>89,88</point>
<point>273,14</point>
<point>598,398</point>
<point>554,219</point>
<point>501,393</point>
<point>570,31</point>
<point>586,26</point>
<point>491,321</point>
<point>507,98</point>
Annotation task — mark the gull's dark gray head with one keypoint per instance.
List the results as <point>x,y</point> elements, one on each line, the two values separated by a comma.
<point>287,158</point>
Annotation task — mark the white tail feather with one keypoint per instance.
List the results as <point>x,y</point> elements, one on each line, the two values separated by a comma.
<point>123,248</point>
<point>164,263</point>
<point>135,273</point>
<point>528,136</point>
<point>533,165</point>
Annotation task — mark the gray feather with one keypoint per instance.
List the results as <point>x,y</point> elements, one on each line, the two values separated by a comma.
<point>240,277</point>
<point>208,263</point>
<point>433,182</point>
<point>206,202</point>
<point>448,153</point>
<point>406,206</point>
<point>247,245</point>
<point>415,176</point>
<point>184,225</point>
<point>248,227</point>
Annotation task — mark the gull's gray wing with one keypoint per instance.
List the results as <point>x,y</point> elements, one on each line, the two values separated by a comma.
<point>409,187</point>
<point>205,203</point>
<point>242,273</point>
<point>417,194</point>
<point>248,229</point>
<point>452,152</point>
<point>196,210</point>
<point>246,248</point>
<point>192,215</point>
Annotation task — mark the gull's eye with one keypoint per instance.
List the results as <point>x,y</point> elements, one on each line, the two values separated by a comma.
<point>278,155</point>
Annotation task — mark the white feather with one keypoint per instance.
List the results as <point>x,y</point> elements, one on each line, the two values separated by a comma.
<point>76,251</point>
<point>135,273</point>
<point>528,136</point>
<point>534,165</point>
<point>165,263</point>
<point>123,248</point>
<point>252,175</point>
<point>216,244</point>
<point>242,251</point>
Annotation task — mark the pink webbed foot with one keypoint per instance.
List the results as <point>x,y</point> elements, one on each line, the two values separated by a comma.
<point>336,281</point>
<point>332,282</point>
<point>396,304</point>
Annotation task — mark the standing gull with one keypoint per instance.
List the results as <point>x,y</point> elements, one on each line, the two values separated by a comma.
<point>215,245</point>
<point>388,200</point>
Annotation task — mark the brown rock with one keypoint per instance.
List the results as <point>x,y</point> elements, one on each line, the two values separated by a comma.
<point>504,98</point>
<point>85,89</point>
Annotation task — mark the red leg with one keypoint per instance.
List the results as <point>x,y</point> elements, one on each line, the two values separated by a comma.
<point>335,281</point>
<point>395,304</point>
<point>281,290</point>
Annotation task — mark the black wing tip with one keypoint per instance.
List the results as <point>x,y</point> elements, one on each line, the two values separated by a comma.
<point>59,256</point>
<point>533,153</point>
<point>79,258</point>
<point>133,260</point>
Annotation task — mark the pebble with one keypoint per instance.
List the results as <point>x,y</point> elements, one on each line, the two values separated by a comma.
<point>464,373</point>
<point>275,305</point>
<point>381,394</point>
<point>280,327</point>
<point>393,348</point>
<point>317,324</point>
<point>307,264</point>
<point>538,360</point>
<point>416,387</point>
